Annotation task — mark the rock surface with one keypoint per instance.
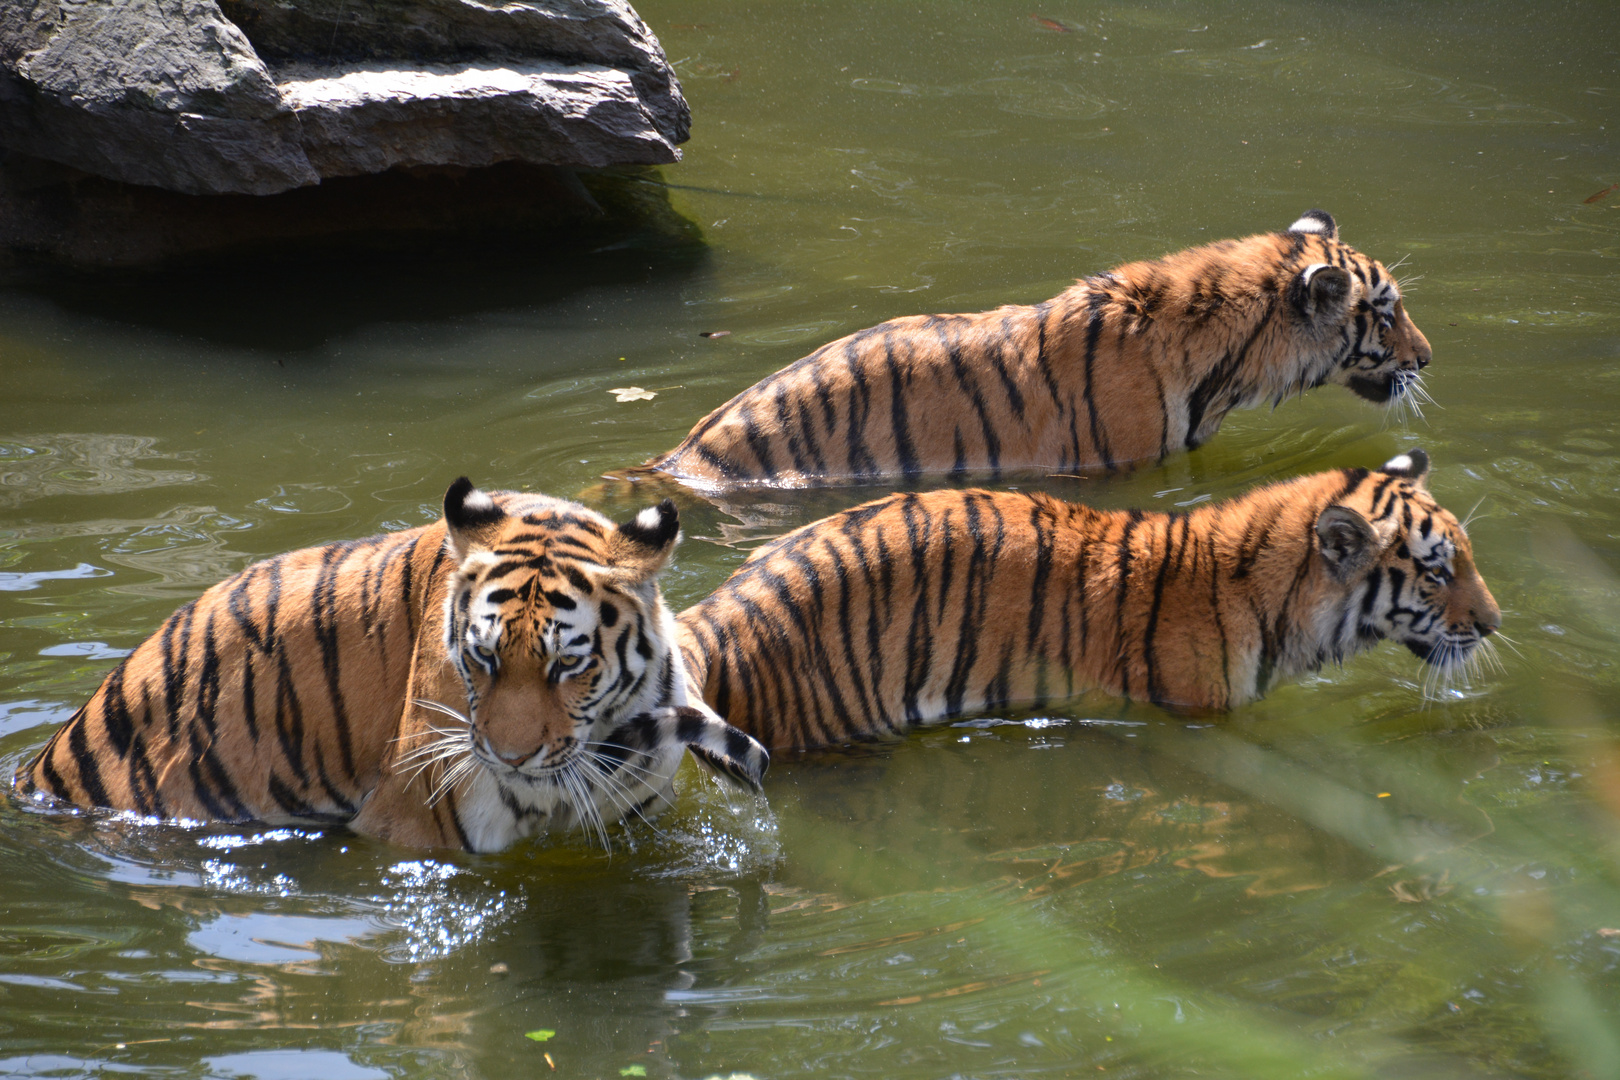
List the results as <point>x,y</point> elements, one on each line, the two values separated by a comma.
<point>262,96</point>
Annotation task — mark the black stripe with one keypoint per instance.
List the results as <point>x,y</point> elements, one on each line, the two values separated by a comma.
<point>1123,563</point>
<point>85,761</point>
<point>1040,521</point>
<point>690,727</point>
<point>757,442</point>
<point>951,343</point>
<point>1218,382</point>
<point>1094,304</point>
<point>174,664</point>
<point>1150,633</point>
<point>1043,363</point>
<point>115,716</point>
<point>861,462</point>
<point>904,450</point>
<point>785,425</point>
<point>328,627</point>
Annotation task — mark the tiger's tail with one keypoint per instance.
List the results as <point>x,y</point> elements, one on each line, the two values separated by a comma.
<point>723,748</point>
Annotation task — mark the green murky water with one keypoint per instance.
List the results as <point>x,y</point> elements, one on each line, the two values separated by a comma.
<point>1342,880</point>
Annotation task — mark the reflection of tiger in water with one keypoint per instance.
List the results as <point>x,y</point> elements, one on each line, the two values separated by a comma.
<point>505,671</point>
<point>914,607</point>
<point>1129,365</point>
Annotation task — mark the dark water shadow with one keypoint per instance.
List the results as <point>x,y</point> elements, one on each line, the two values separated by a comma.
<point>298,294</point>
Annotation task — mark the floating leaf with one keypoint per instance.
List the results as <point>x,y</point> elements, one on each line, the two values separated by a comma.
<point>715,333</point>
<point>539,1036</point>
<point>632,393</point>
<point>633,1070</point>
<point>1051,24</point>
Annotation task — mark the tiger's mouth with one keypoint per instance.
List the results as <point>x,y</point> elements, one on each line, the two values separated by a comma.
<point>1379,391</point>
<point>1442,651</point>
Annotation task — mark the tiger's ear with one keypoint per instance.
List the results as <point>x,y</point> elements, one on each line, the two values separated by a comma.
<point>470,518</point>
<point>1346,541</point>
<point>1321,293</point>
<point>1413,465</point>
<point>642,545</point>
<point>1319,222</point>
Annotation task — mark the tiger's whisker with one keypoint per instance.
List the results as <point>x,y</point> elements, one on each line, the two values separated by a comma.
<point>438,707</point>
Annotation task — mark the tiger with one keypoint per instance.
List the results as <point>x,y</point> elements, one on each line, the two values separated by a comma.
<point>1127,366</point>
<point>919,607</point>
<point>509,670</point>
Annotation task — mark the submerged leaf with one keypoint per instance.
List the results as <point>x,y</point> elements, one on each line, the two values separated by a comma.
<point>539,1036</point>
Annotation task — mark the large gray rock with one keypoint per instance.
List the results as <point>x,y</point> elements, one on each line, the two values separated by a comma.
<point>161,92</point>
<point>603,32</point>
<point>173,94</point>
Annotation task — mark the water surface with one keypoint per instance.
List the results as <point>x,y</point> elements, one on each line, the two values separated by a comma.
<point>1345,879</point>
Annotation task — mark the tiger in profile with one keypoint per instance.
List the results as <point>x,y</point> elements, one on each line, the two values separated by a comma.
<point>1129,365</point>
<point>508,670</point>
<point>919,607</point>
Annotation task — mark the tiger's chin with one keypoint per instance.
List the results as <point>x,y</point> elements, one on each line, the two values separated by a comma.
<point>1379,391</point>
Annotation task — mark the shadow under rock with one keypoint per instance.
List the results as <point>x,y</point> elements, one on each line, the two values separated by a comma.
<point>393,247</point>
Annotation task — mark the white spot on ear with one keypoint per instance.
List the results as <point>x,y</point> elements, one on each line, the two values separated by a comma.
<point>477,502</point>
<point>1310,225</point>
<point>1399,464</point>
<point>1310,271</point>
<point>649,519</point>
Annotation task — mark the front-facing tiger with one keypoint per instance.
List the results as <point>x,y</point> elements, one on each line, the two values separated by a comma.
<point>507,670</point>
<point>919,607</point>
<point>1128,365</point>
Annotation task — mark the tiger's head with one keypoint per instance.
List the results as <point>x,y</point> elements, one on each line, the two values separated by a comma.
<point>1404,570</point>
<point>1351,306</point>
<point>555,624</point>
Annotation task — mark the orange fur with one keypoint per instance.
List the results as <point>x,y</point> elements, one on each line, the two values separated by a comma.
<point>1130,365</point>
<point>293,692</point>
<point>919,607</point>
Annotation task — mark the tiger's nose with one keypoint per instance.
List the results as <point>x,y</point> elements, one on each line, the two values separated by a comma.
<point>514,760</point>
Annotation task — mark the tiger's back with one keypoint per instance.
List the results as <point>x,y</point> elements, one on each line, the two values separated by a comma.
<point>1129,365</point>
<point>917,607</point>
<point>260,699</point>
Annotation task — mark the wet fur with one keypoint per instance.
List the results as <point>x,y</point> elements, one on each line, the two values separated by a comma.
<point>1130,365</point>
<point>337,684</point>
<point>919,607</point>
